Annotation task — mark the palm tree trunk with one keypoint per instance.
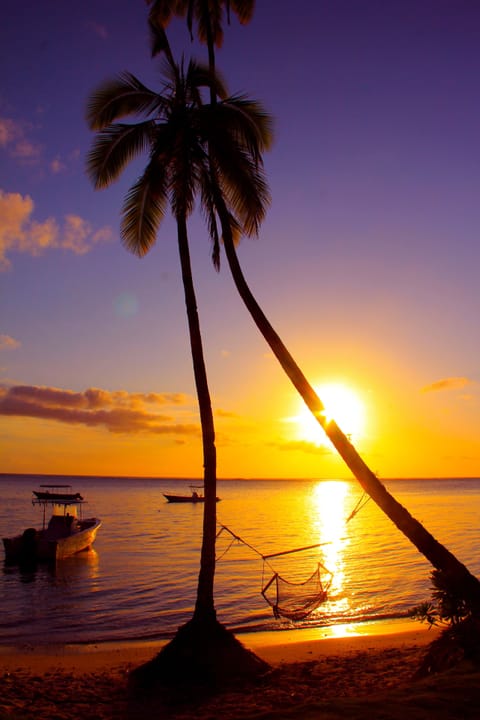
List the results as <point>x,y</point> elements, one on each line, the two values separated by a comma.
<point>441,558</point>
<point>204,607</point>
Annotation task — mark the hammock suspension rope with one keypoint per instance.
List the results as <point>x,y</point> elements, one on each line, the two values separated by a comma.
<point>363,500</point>
<point>292,600</point>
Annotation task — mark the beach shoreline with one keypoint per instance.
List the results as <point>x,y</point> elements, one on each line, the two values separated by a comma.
<point>351,671</point>
<point>274,646</point>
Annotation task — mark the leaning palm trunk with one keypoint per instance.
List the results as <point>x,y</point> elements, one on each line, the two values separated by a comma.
<point>438,555</point>
<point>204,607</point>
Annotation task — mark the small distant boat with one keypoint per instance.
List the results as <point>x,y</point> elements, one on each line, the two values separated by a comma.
<point>66,533</point>
<point>195,496</point>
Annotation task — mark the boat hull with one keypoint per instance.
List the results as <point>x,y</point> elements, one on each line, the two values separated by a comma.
<point>185,498</point>
<point>41,546</point>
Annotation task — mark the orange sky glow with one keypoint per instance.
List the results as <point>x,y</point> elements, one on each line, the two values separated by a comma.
<point>366,263</point>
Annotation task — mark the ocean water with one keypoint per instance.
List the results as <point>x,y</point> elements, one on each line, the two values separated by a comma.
<point>139,581</point>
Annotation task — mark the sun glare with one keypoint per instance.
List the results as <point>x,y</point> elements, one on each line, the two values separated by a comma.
<point>330,500</point>
<point>341,404</point>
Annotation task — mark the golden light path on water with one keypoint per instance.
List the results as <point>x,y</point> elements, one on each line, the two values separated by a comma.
<point>331,506</point>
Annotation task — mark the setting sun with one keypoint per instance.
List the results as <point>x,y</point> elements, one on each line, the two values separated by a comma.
<point>342,404</point>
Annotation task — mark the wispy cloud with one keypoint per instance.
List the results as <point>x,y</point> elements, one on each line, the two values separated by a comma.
<point>451,383</point>
<point>118,412</point>
<point>302,446</point>
<point>226,414</point>
<point>9,343</point>
<point>57,165</point>
<point>14,139</point>
<point>61,164</point>
<point>19,232</point>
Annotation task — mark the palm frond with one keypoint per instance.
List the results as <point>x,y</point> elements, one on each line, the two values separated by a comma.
<point>114,147</point>
<point>144,210</point>
<point>119,97</point>
<point>189,13</point>
<point>183,179</point>
<point>159,42</point>
<point>209,20</point>
<point>207,190</point>
<point>208,15</point>
<point>242,8</point>
<point>198,76</point>
<point>249,120</point>
<point>241,177</point>
<point>244,186</point>
<point>162,11</point>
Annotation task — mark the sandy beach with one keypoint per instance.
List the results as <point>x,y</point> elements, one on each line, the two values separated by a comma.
<point>316,674</point>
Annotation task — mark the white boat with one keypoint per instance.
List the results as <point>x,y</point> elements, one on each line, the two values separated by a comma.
<point>66,533</point>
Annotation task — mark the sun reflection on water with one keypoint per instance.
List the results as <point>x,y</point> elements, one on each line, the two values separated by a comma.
<point>330,502</point>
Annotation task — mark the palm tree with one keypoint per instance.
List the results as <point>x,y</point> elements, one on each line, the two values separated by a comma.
<point>177,129</point>
<point>171,176</point>
<point>208,16</point>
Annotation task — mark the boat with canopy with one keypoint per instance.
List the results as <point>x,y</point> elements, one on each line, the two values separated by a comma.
<point>66,532</point>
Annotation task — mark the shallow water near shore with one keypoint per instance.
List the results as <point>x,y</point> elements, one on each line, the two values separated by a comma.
<point>139,581</point>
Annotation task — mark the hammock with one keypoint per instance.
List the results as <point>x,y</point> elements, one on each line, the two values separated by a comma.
<point>295,601</point>
<point>292,600</point>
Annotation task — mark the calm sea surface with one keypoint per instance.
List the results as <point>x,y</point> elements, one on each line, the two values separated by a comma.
<point>139,581</point>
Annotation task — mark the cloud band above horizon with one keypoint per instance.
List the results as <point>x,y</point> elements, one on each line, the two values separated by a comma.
<point>117,412</point>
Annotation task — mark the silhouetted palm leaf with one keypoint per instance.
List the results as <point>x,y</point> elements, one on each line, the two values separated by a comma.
<point>123,95</point>
<point>114,147</point>
<point>143,210</point>
<point>207,14</point>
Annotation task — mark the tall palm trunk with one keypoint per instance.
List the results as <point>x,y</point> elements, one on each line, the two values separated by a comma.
<point>204,607</point>
<point>441,558</point>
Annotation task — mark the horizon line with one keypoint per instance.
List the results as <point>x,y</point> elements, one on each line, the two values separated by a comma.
<point>233,478</point>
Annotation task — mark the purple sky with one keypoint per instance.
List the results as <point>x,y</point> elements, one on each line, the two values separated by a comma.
<point>367,262</point>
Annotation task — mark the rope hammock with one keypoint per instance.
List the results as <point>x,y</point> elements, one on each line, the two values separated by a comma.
<point>292,600</point>
<point>296,600</point>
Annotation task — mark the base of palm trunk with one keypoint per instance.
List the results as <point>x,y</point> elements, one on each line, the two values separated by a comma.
<point>201,654</point>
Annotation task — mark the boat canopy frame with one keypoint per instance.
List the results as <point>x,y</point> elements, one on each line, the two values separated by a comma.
<point>50,497</point>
